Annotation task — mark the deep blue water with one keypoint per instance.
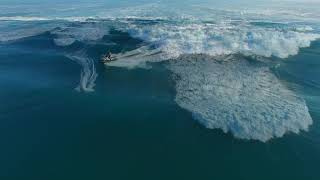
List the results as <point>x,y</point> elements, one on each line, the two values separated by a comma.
<point>131,127</point>
<point>161,110</point>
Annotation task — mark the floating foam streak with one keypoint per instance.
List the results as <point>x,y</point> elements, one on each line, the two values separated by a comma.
<point>238,96</point>
<point>88,73</point>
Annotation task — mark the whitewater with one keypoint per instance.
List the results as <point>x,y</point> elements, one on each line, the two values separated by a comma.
<point>221,57</point>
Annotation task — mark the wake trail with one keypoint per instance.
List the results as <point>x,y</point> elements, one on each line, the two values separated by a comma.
<point>88,73</point>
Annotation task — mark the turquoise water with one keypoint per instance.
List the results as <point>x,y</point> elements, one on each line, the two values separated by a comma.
<point>169,107</point>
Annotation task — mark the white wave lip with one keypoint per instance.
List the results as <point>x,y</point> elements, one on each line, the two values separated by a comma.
<point>223,39</point>
<point>238,97</point>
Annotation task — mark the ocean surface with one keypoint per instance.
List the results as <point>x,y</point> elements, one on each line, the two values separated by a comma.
<point>200,90</point>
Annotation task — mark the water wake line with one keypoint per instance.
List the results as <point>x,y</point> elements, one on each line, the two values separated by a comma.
<point>88,73</point>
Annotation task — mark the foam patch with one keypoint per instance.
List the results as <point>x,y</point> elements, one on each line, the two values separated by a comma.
<point>238,96</point>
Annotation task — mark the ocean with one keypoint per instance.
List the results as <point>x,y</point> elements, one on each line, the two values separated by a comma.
<point>199,90</point>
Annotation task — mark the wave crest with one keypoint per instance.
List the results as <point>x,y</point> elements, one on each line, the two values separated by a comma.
<point>222,39</point>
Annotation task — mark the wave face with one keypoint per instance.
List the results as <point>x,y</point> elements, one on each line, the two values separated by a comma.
<point>232,94</point>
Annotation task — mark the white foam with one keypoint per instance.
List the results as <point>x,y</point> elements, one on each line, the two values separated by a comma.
<point>86,32</point>
<point>304,28</point>
<point>45,18</point>
<point>222,38</point>
<point>238,97</point>
<point>88,73</point>
<point>182,30</point>
<point>22,18</point>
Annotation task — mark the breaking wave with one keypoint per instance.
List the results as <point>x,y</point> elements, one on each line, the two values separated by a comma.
<point>176,39</point>
<point>184,35</point>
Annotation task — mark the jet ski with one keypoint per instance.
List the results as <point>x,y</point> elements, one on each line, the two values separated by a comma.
<point>108,58</point>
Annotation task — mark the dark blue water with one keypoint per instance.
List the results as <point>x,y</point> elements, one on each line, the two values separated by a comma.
<point>130,127</point>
